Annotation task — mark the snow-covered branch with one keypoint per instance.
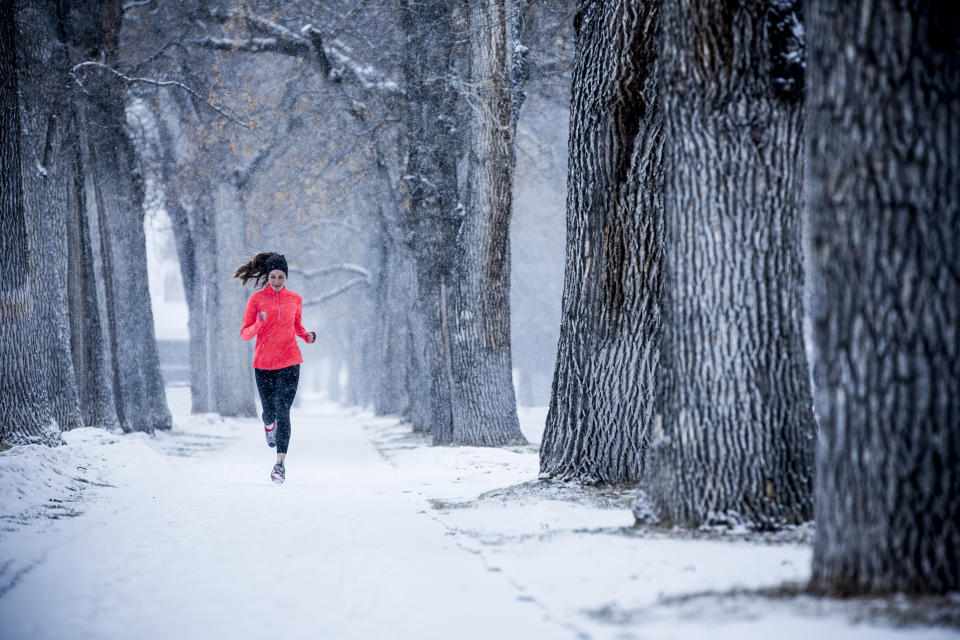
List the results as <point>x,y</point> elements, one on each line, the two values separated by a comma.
<point>335,59</point>
<point>255,45</point>
<point>367,76</point>
<point>155,82</point>
<point>350,268</point>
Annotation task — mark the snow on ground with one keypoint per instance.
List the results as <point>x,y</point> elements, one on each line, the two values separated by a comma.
<point>377,535</point>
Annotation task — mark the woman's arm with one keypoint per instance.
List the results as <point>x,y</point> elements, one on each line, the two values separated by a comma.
<point>251,321</point>
<point>308,336</point>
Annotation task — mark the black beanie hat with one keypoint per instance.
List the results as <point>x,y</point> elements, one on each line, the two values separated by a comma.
<point>276,261</point>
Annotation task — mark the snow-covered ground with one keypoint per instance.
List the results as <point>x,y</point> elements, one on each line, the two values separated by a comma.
<point>377,535</point>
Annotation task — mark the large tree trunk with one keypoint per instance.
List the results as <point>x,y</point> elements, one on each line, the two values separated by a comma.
<point>433,146</point>
<point>484,409</point>
<point>28,417</point>
<point>602,403</point>
<point>140,398</point>
<point>884,158</point>
<point>47,189</point>
<point>737,436</point>
<point>118,193</point>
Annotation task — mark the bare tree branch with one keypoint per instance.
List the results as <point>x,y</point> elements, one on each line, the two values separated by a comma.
<point>158,83</point>
<point>337,291</point>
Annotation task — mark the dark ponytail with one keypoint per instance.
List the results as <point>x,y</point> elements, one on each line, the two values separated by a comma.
<point>260,267</point>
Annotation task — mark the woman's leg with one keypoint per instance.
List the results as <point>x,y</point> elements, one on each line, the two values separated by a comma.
<point>287,380</point>
<point>267,387</point>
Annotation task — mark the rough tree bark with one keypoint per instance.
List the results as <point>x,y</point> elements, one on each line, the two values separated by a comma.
<point>48,179</point>
<point>484,409</point>
<point>92,356</point>
<point>28,415</point>
<point>118,195</point>
<point>737,433</point>
<point>602,402</point>
<point>81,202</point>
<point>138,387</point>
<point>884,159</point>
<point>432,145</point>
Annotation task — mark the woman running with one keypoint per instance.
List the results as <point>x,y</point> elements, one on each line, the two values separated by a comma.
<point>273,317</point>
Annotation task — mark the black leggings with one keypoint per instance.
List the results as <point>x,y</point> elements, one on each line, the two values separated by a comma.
<point>277,388</point>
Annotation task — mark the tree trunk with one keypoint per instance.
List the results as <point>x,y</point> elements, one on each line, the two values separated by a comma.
<point>433,146</point>
<point>196,292</point>
<point>737,434</point>
<point>188,203</point>
<point>484,409</point>
<point>395,300</point>
<point>884,158</point>
<point>47,186</point>
<point>27,413</point>
<point>417,388</point>
<point>93,361</point>
<point>140,398</point>
<point>602,403</point>
<point>525,388</point>
<point>234,387</point>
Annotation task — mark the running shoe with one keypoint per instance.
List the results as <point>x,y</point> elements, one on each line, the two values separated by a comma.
<point>278,475</point>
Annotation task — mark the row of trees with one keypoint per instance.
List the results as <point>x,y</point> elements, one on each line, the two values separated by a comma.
<point>682,362</point>
<point>75,322</point>
<point>700,153</point>
<point>432,127</point>
<point>424,265</point>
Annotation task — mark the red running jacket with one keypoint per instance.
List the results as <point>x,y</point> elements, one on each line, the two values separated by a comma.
<point>276,345</point>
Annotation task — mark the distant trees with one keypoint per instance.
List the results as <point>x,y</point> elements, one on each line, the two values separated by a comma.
<point>884,158</point>
<point>457,231</point>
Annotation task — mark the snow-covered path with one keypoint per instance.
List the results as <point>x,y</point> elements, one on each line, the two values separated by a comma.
<point>376,534</point>
<point>206,547</point>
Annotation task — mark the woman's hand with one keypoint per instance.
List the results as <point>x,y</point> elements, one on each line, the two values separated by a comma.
<point>262,315</point>
<point>311,337</point>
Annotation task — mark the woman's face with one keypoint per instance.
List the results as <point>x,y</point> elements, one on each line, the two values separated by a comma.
<point>277,279</point>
